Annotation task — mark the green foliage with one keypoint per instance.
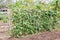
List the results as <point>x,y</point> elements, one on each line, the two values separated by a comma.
<point>3,18</point>
<point>32,19</point>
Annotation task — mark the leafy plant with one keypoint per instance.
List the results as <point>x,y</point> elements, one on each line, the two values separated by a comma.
<point>31,19</point>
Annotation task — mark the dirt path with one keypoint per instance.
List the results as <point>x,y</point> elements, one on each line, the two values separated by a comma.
<point>3,31</point>
<point>41,36</point>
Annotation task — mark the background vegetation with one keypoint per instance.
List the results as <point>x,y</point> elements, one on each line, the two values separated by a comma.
<point>3,18</point>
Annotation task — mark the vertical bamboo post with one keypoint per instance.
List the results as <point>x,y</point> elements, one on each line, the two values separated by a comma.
<point>9,22</point>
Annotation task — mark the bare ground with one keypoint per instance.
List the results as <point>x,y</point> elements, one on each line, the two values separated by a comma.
<point>4,27</point>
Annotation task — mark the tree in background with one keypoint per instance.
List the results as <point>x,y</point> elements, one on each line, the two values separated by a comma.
<point>5,3</point>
